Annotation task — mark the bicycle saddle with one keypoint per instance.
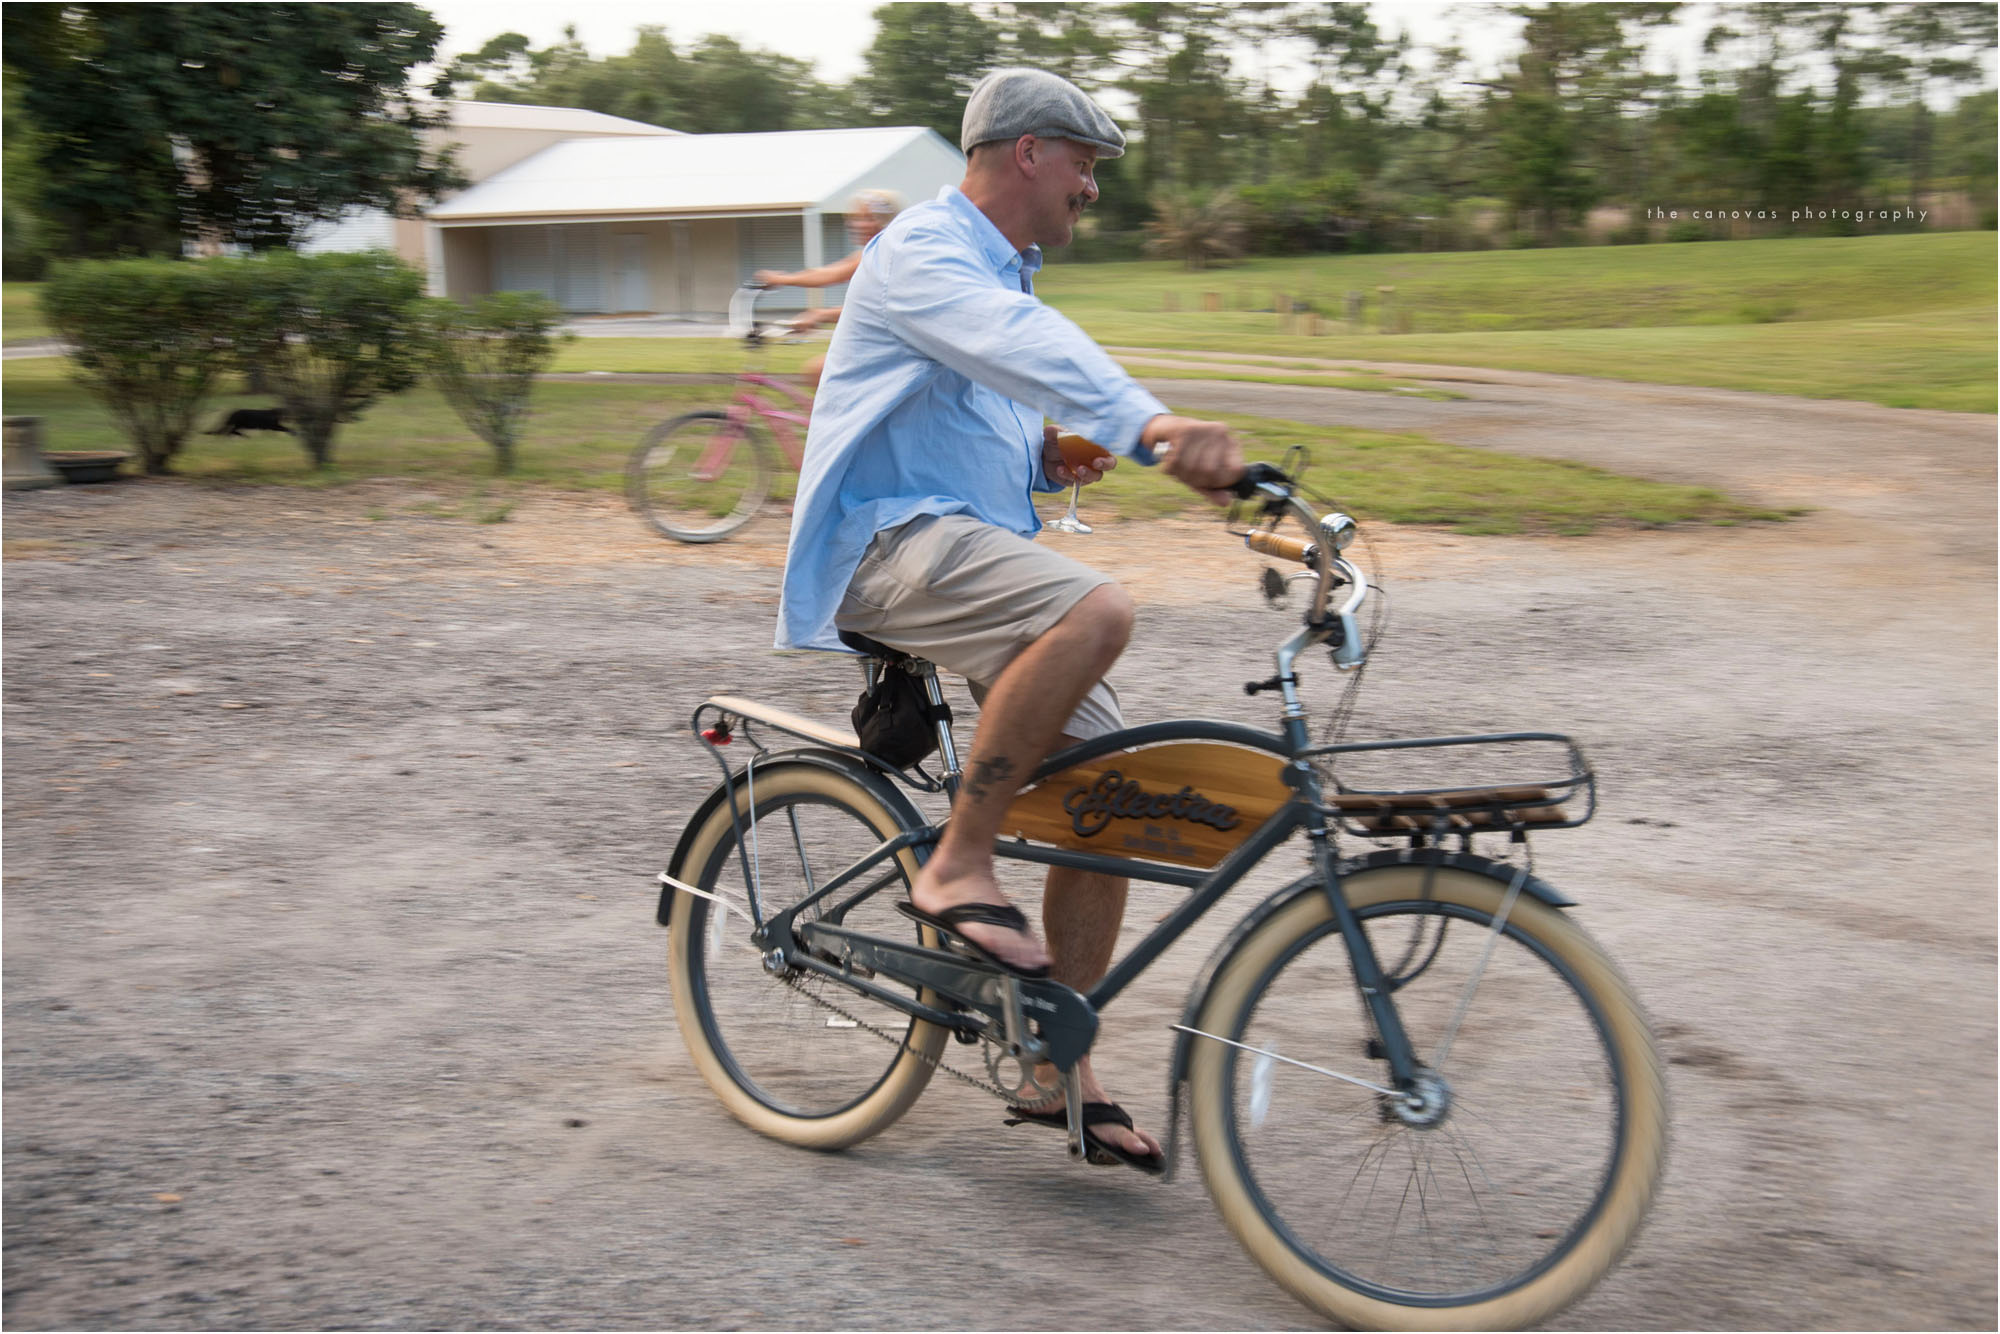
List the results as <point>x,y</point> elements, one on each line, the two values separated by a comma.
<point>863,644</point>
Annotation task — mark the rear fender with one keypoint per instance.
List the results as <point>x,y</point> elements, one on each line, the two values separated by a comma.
<point>879,787</point>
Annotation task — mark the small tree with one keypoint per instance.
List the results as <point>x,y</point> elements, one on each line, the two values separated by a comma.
<point>485,360</point>
<point>331,334</point>
<point>148,336</point>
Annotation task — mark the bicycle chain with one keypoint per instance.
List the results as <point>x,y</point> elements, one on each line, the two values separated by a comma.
<point>935,1063</point>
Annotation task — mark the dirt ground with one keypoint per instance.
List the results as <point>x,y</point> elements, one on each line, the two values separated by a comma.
<point>333,996</point>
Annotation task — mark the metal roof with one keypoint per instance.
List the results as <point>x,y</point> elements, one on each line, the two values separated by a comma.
<point>700,173</point>
<point>563,120</point>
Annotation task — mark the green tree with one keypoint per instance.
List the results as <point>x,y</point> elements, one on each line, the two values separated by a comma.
<point>485,358</point>
<point>241,123</point>
<point>331,334</point>
<point>1936,43</point>
<point>718,86</point>
<point>923,64</point>
<point>26,240</point>
<point>150,337</point>
<point>1064,37</point>
<point>1556,118</point>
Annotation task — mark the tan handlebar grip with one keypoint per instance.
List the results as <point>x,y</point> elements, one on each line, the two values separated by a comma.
<point>1284,548</point>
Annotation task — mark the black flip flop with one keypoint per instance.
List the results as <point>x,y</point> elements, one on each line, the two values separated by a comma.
<point>989,914</point>
<point>1096,1150</point>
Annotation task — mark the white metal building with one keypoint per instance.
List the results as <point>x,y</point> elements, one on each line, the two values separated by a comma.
<point>489,137</point>
<point>672,224</point>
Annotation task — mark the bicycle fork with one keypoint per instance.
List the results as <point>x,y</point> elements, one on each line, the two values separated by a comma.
<point>716,457</point>
<point>1368,977</point>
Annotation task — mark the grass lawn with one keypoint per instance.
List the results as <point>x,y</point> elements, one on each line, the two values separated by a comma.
<point>1408,478</point>
<point>577,440</point>
<point>1902,320</point>
<point>711,356</point>
<point>582,432</point>
<point>20,315</point>
<point>1928,359</point>
<point>1588,287</point>
<point>722,356</point>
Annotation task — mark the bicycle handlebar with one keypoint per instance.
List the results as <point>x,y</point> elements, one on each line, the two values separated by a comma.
<point>1333,531</point>
<point>1284,548</point>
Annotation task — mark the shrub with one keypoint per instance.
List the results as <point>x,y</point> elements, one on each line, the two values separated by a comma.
<point>330,335</point>
<point>1196,231</point>
<point>485,360</point>
<point>148,336</point>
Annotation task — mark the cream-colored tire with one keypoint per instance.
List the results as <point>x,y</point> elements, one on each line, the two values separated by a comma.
<point>783,1055</point>
<point>1531,1185</point>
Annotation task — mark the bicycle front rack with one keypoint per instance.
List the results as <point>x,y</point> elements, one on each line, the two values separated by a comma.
<point>1517,804</point>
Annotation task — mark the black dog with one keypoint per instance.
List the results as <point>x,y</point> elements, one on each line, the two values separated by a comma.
<point>254,419</point>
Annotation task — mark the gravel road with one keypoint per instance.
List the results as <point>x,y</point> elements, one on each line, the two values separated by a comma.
<point>333,998</point>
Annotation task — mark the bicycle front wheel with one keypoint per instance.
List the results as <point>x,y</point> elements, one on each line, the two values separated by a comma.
<point>700,477</point>
<point>1532,1156</point>
<point>797,1055</point>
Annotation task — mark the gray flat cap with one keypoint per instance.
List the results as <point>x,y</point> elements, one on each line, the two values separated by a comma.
<point>1009,103</point>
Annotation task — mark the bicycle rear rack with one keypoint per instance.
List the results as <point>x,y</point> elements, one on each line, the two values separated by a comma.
<point>733,713</point>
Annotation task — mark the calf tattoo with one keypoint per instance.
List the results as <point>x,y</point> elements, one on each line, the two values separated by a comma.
<point>986,774</point>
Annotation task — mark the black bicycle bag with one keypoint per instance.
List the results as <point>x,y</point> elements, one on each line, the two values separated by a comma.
<point>894,721</point>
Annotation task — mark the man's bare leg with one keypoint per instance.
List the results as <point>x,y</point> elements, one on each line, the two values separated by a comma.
<point>1081,911</point>
<point>1020,724</point>
<point>1023,716</point>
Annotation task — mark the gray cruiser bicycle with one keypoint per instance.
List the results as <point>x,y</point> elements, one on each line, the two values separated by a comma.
<point>1420,1096</point>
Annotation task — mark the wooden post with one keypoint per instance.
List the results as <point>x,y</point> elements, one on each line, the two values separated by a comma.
<point>25,468</point>
<point>1387,298</point>
<point>1211,302</point>
<point>1355,302</point>
<point>1171,301</point>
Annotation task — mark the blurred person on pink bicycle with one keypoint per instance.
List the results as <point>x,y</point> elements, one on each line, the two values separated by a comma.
<point>867,214</point>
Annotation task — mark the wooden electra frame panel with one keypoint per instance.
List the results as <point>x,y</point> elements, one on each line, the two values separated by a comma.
<point>1187,803</point>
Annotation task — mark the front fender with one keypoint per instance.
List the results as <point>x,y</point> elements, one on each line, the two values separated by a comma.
<point>878,787</point>
<point>1310,884</point>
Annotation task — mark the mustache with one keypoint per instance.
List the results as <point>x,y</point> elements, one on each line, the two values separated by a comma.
<point>1079,202</point>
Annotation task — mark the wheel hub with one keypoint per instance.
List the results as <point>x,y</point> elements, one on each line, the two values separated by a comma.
<point>1424,1105</point>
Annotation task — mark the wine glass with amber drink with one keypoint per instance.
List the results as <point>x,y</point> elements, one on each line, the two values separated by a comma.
<point>1077,452</point>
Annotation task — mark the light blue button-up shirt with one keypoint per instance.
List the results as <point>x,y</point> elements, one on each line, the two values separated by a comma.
<point>942,367</point>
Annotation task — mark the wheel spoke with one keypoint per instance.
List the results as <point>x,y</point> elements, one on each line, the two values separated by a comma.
<point>804,1045</point>
<point>1475,1188</point>
<point>1485,957</point>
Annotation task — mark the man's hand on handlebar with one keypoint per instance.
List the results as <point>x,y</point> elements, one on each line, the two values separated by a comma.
<point>1204,455</point>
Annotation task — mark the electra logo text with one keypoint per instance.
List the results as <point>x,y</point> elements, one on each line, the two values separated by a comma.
<point>1115,797</point>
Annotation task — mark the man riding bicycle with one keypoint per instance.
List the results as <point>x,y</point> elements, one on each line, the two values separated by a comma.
<point>914,519</point>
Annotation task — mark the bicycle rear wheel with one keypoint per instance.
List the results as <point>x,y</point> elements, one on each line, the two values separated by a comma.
<point>797,1056</point>
<point>700,477</point>
<point>1510,1192</point>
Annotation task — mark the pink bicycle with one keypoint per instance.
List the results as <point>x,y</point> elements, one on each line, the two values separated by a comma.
<point>703,475</point>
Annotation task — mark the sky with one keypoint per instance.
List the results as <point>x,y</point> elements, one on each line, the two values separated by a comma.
<point>830,33</point>
<point>833,34</point>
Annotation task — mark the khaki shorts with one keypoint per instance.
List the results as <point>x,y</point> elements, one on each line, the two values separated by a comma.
<point>970,597</point>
